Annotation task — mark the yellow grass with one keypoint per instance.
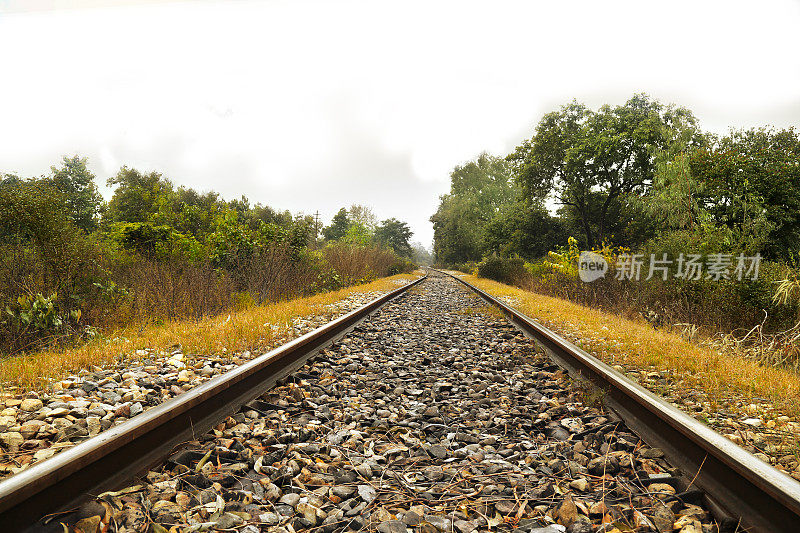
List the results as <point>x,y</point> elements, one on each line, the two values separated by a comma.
<point>248,330</point>
<point>626,342</point>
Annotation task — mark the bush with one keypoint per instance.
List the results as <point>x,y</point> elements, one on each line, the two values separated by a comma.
<point>401,266</point>
<point>509,270</point>
<point>47,265</point>
<point>358,264</point>
<point>470,267</point>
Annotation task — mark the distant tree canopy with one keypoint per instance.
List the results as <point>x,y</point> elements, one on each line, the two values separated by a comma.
<point>338,228</point>
<point>76,184</point>
<point>484,213</point>
<point>394,234</point>
<point>625,175</point>
<point>478,191</point>
<point>357,225</point>
<point>70,263</point>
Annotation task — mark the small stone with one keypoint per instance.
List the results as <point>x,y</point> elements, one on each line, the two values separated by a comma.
<point>412,518</point>
<point>28,430</point>
<point>687,524</point>
<point>31,404</point>
<point>367,493</point>
<point>94,425</point>
<point>343,491</point>
<point>12,440</point>
<point>580,526</point>
<point>652,453</point>
<point>431,412</point>
<point>41,455</point>
<point>579,484</point>
<point>598,509</point>
<point>437,451</point>
<point>661,488</point>
<point>228,521</point>
<point>439,522</point>
<point>272,492</point>
<point>312,514</point>
<point>505,507</point>
<point>270,519</point>
<point>136,408</point>
<point>88,525</point>
<point>603,465</point>
<point>392,526</point>
<point>290,499</point>
<point>365,470</point>
<point>663,517</point>
<point>464,526</point>
<point>183,500</point>
<point>567,512</point>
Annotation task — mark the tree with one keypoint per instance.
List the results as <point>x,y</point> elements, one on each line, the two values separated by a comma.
<point>751,182</point>
<point>524,230</point>
<point>394,234</point>
<point>589,161</point>
<point>478,190</point>
<point>138,197</point>
<point>76,184</point>
<point>420,254</point>
<point>363,215</point>
<point>338,228</point>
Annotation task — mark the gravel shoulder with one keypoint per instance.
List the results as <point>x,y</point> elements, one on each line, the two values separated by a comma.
<point>36,424</point>
<point>433,416</point>
<point>752,406</point>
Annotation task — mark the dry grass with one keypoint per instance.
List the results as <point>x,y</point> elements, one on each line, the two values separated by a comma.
<point>623,341</point>
<point>250,329</point>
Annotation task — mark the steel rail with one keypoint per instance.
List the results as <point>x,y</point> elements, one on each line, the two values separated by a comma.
<point>741,486</point>
<point>116,456</point>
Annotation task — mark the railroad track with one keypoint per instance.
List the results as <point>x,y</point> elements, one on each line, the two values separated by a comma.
<point>116,456</point>
<point>736,484</point>
<point>484,404</point>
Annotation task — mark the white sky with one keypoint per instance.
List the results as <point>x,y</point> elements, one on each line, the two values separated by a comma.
<point>317,105</point>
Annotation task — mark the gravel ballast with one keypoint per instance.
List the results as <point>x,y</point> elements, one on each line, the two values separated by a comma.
<point>37,425</point>
<point>434,415</point>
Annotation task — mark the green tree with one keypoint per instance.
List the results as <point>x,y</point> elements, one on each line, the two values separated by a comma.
<point>394,234</point>
<point>525,230</point>
<point>751,184</point>
<point>76,184</point>
<point>590,161</point>
<point>338,228</point>
<point>363,215</point>
<point>138,197</point>
<point>478,190</point>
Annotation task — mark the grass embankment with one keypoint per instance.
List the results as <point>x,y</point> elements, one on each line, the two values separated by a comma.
<point>248,330</point>
<point>631,343</point>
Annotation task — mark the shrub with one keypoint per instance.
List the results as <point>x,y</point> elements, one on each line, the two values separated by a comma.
<point>401,266</point>
<point>510,270</point>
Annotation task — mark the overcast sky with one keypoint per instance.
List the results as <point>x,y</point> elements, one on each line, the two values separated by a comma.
<point>317,105</point>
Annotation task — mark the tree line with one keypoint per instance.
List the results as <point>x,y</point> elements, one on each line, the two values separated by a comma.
<point>640,177</point>
<point>71,262</point>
